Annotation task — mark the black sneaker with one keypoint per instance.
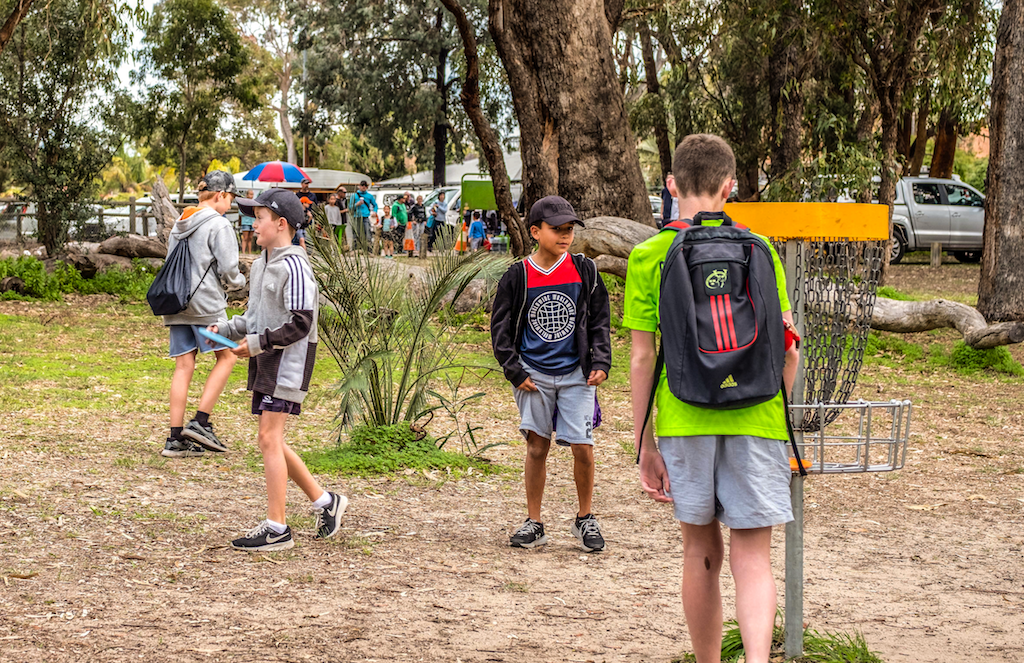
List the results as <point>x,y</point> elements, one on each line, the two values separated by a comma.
<point>203,435</point>
<point>263,538</point>
<point>328,519</point>
<point>588,532</point>
<point>530,535</point>
<point>181,449</point>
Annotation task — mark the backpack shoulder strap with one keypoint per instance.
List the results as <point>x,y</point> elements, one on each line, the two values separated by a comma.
<point>677,225</point>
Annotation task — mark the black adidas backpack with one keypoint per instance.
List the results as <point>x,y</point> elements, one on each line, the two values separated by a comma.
<point>722,330</point>
<point>171,290</point>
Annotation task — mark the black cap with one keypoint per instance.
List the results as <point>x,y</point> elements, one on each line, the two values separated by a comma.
<point>218,180</point>
<point>556,210</point>
<point>279,201</point>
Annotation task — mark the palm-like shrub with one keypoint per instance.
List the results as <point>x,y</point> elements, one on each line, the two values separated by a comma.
<point>380,322</point>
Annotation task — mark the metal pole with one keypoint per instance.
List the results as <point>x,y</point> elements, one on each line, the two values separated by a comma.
<point>305,109</point>
<point>794,642</point>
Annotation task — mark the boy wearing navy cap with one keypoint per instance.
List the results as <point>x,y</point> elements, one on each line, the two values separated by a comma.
<point>278,333</point>
<point>551,333</point>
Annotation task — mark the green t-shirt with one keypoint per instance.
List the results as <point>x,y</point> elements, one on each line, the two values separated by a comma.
<point>675,418</point>
<point>400,214</point>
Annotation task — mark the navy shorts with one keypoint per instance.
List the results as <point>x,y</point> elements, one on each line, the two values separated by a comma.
<point>266,403</point>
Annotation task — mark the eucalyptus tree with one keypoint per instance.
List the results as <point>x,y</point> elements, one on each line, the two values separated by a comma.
<point>192,50</point>
<point>60,114</point>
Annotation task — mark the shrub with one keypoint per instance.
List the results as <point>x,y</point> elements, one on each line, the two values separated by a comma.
<point>129,284</point>
<point>966,359</point>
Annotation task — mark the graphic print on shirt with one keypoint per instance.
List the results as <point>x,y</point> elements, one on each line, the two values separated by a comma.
<point>549,342</point>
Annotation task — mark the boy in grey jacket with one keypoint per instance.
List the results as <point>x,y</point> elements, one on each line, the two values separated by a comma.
<point>214,250</point>
<point>278,335</point>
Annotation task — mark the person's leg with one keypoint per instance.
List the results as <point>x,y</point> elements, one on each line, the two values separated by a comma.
<point>275,465</point>
<point>217,379</point>
<point>703,552</point>
<point>299,473</point>
<point>750,561</point>
<point>536,472</point>
<point>583,473</point>
<point>184,367</point>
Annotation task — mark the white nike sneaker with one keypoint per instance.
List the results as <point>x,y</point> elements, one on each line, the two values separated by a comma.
<point>328,519</point>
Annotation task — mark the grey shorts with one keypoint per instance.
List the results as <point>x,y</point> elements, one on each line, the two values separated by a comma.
<point>574,399</point>
<point>185,339</point>
<point>740,480</point>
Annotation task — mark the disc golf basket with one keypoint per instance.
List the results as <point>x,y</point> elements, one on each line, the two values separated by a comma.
<point>832,254</point>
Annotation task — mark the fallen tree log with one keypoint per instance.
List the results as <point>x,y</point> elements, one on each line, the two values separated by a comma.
<point>908,317</point>
<point>610,235</point>
<point>133,246</point>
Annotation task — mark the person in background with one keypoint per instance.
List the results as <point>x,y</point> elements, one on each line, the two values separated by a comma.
<point>246,226</point>
<point>387,233</point>
<point>334,218</point>
<point>304,192</point>
<point>477,232</point>
<point>436,219</point>
<point>364,205</point>
<point>418,217</point>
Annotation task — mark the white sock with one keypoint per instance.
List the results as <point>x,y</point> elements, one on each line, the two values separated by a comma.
<point>278,528</point>
<point>323,501</point>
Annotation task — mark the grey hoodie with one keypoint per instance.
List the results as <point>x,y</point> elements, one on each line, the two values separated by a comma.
<point>212,244</point>
<point>279,324</point>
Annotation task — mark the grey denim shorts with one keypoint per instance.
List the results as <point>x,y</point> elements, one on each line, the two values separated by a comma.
<point>740,480</point>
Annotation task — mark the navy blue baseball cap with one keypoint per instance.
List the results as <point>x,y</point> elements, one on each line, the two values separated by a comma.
<point>556,210</point>
<point>279,201</point>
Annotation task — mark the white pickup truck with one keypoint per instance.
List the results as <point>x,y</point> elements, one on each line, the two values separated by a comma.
<point>928,210</point>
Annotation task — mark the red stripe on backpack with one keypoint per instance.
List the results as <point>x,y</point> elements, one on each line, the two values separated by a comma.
<point>715,320</point>
<point>728,315</point>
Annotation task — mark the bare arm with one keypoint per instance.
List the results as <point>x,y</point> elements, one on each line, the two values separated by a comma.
<point>792,359</point>
<point>643,357</point>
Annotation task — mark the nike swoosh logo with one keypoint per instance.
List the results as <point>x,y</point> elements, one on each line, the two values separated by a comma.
<point>333,512</point>
<point>275,539</point>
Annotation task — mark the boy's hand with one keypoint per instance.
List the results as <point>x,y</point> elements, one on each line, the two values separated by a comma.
<point>654,476</point>
<point>596,378</point>
<point>528,385</point>
<point>242,351</point>
<point>214,330</point>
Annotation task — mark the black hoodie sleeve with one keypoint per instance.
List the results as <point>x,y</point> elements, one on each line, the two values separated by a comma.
<point>600,325</point>
<point>504,316</point>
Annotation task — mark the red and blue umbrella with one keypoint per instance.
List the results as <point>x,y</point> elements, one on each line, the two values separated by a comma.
<point>276,171</point>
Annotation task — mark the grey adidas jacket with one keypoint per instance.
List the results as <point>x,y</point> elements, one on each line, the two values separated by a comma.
<point>279,324</point>
<point>212,244</point>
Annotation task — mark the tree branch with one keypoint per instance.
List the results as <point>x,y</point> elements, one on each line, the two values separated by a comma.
<point>18,13</point>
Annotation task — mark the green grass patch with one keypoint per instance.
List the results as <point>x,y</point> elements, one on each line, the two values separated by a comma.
<point>892,346</point>
<point>890,292</point>
<point>375,450</point>
<point>966,360</point>
<point>827,647</point>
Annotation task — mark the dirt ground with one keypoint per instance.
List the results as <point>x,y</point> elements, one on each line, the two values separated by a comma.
<point>110,554</point>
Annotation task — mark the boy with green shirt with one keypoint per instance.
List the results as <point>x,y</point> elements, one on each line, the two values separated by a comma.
<point>728,466</point>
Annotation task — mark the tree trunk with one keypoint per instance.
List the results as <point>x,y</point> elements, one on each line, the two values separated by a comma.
<point>945,145</point>
<point>17,13</point>
<point>518,233</point>
<point>181,174</point>
<point>903,135</point>
<point>286,122</point>
<point>574,134</point>
<point>1001,288</point>
<point>654,88</point>
<point>887,186</point>
<point>441,121</point>
<point>864,132</point>
<point>921,141</point>
<point>748,189</point>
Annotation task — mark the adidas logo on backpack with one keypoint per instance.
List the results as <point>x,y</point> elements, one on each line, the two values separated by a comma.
<point>721,322</point>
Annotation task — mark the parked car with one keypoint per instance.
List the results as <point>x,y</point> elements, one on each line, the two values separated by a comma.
<point>656,203</point>
<point>928,210</point>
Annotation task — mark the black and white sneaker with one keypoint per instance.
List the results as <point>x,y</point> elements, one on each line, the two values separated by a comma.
<point>263,538</point>
<point>588,532</point>
<point>529,535</point>
<point>204,436</point>
<point>328,519</point>
<point>181,449</point>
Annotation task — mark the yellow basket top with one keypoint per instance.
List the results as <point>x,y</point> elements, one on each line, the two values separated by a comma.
<point>841,221</point>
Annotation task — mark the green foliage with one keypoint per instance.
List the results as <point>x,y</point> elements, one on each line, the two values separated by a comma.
<point>383,328</point>
<point>130,285</point>
<point>971,169</point>
<point>454,404</point>
<point>893,345</point>
<point>378,449</point>
<point>966,359</point>
<point>60,115</point>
